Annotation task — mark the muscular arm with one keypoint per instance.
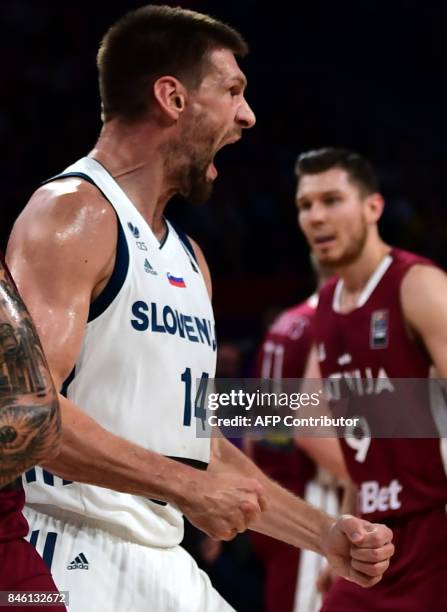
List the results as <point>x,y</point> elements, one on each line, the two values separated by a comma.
<point>424,304</point>
<point>301,525</point>
<point>356,550</point>
<point>287,518</point>
<point>62,252</point>
<point>29,412</point>
<point>324,451</point>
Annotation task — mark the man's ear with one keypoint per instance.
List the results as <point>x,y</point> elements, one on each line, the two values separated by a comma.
<point>170,96</point>
<point>374,207</point>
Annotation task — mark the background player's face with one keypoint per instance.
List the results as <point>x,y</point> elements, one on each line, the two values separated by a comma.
<point>333,215</point>
<point>216,114</point>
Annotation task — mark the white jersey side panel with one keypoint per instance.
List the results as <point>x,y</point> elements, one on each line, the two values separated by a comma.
<point>150,336</point>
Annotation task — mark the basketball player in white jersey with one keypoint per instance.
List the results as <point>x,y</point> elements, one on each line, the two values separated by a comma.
<point>122,302</point>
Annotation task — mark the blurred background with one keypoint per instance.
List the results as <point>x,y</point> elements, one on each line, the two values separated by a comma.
<point>367,75</point>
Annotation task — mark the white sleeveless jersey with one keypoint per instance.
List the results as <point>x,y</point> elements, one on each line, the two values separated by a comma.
<point>149,338</point>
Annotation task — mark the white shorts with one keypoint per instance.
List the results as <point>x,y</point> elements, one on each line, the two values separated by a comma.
<point>104,572</point>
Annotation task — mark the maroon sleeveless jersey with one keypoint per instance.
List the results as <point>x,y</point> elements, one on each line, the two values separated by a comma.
<point>283,354</point>
<point>12,522</point>
<point>287,344</point>
<point>21,567</point>
<point>366,349</point>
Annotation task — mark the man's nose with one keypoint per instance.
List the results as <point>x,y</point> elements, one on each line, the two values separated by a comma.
<point>245,116</point>
<point>317,214</point>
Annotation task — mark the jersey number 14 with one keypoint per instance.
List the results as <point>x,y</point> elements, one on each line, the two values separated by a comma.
<point>199,403</point>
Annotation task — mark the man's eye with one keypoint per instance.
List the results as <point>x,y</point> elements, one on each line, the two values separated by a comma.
<point>331,200</point>
<point>303,206</point>
<point>234,92</point>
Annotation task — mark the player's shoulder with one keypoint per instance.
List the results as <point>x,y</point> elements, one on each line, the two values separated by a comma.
<point>422,278</point>
<point>423,300</point>
<point>65,222</point>
<point>407,259</point>
<point>66,210</point>
<point>304,308</point>
<point>299,313</point>
<point>418,273</point>
<point>66,198</point>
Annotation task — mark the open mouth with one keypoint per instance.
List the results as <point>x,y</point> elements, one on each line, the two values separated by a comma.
<point>324,240</point>
<point>211,172</point>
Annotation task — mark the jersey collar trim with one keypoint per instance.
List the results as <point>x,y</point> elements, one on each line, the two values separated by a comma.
<point>372,283</point>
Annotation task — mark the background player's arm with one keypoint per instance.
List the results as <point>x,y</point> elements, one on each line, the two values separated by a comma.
<point>355,549</point>
<point>349,502</point>
<point>29,412</point>
<point>326,452</point>
<point>225,457</point>
<point>299,525</point>
<point>424,304</point>
<point>361,558</point>
<point>62,251</point>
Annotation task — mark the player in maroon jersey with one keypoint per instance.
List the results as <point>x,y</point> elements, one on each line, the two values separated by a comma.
<point>29,433</point>
<point>384,316</point>
<point>284,354</point>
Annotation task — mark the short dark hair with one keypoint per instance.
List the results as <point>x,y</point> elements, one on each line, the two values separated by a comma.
<point>359,170</point>
<point>153,41</point>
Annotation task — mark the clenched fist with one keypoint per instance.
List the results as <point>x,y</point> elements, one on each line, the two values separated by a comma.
<point>357,550</point>
<point>223,505</point>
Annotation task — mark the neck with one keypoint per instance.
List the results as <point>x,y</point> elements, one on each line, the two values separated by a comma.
<point>356,274</point>
<point>132,154</point>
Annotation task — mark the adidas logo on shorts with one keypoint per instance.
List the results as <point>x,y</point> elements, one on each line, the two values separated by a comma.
<point>79,562</point>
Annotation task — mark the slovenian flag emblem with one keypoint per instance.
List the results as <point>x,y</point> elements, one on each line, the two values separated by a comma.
<point>175,280</point>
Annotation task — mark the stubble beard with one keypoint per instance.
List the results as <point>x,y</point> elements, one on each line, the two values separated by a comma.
<point>198,188</point>
<point>188,161</point>
<point>351,253</point>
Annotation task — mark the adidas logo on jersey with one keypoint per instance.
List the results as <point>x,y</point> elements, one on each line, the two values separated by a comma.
<point>148,268</point>
<point>79,562</point>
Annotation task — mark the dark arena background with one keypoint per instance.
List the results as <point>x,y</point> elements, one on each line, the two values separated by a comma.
<point>368,75</point>
<point>364,75</point>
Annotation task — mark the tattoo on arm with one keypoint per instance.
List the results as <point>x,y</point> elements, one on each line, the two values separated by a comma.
<point>29,410</point>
